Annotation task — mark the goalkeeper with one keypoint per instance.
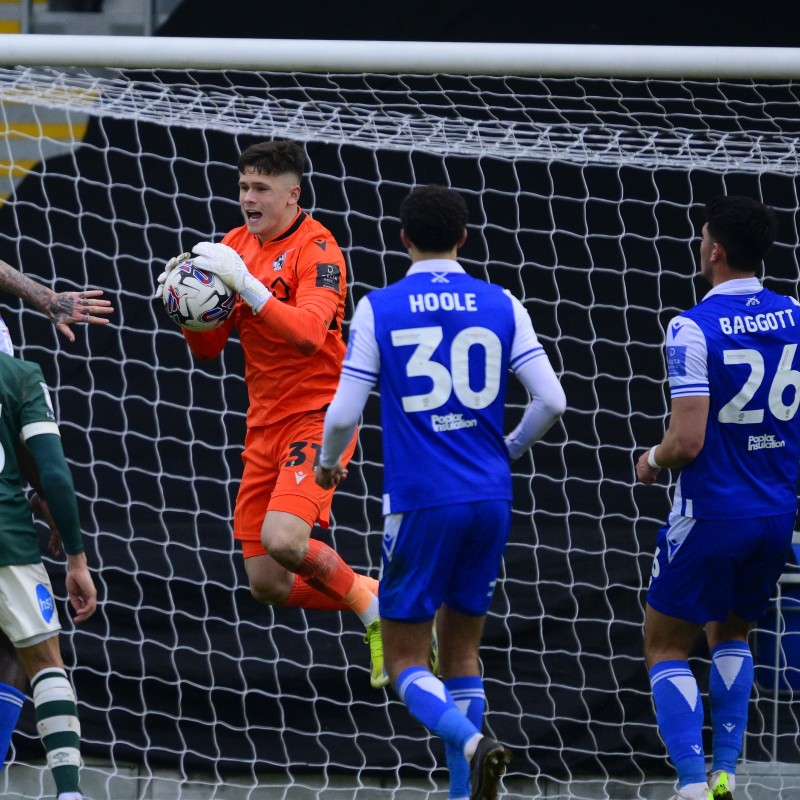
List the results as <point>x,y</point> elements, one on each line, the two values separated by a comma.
<point>440,343</point>
<point>291,279</point>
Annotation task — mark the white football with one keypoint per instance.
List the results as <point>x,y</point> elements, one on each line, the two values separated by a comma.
<point>196,299</point>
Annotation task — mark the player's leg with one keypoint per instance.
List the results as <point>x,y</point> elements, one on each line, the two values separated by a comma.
<point>406,649</point>
<point>730,684</point>
<point>477,762</point>
<point>296,504</point>
<point>320,578</point>
<point>467,598</point>
<point>429,555</point>
<point>272,584</point>
<point>56,714</point>
<point>270,580</point>
<point>679,709</point>
<point>462,678</point>
<point>31,621</point>
<point>681,598</point>
<point>287,538</point>
<point>13,683</point>
<point>761,547</point>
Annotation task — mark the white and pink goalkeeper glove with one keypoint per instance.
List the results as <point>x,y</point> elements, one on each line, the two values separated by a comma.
<point>225,262</point>
<point>162,278</point>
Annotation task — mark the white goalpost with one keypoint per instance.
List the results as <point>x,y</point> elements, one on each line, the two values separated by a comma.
<point>585,169</point>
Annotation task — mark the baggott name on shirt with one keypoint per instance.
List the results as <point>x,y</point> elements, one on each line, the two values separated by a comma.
<point>446,301</point>
<point>746,323</point>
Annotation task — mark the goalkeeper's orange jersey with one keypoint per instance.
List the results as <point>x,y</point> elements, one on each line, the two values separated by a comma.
<point>293,348</point>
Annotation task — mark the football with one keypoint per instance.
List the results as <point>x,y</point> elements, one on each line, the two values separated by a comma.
<point>196,299</point>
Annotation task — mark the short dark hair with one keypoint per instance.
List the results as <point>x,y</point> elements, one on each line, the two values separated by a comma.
<point>274,158</point>
<point>434,218</point>
<point>745,227</point>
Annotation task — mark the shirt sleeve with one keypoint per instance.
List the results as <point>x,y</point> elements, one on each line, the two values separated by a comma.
<point>360,373</point>
<point>40,433</point>
<point>533,368</point>
<point>687,358</point>
<point>58,488</point>
<point>207,345</point>
<point>362,362</point>
<point>321,286</point>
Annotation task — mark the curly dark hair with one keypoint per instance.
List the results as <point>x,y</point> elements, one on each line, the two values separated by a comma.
<point>274,158</point>
<point>434,218</point>
<point>744,227</point>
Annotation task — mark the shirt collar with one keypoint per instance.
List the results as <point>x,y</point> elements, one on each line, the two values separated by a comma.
<point>435,265</point>
<point>737,286</point>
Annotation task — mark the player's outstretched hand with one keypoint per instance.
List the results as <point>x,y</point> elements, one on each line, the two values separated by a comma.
<point>80,587</point>
<point>66,308</point>
<point>168,267</point>
<point>329,478</point>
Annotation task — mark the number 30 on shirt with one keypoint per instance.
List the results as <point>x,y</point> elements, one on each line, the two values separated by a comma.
<point>456,379</point>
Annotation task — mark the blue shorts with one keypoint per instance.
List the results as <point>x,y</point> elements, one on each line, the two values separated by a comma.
<point>447,555</point>
<point>705,568</point>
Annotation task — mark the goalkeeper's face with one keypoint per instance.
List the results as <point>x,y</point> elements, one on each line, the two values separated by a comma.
<point>269,202</point>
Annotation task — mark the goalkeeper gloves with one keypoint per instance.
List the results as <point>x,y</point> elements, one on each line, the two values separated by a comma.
<point>225,262</point>
<point>162,278</point>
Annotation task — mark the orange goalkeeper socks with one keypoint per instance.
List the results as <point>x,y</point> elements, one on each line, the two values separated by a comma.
<point>325,571</point>
<point>304,596</point>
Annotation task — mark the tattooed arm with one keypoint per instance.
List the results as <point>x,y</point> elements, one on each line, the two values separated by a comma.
<point>62,308</point>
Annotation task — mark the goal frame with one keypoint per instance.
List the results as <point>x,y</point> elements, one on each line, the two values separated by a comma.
<point>416,58</point>
<point>485,58</point>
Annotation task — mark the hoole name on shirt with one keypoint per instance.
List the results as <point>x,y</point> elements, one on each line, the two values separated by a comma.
<point>747,323</point>
<point>444,301</point>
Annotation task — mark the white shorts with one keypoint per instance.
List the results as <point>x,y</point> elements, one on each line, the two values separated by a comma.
<point>27,607</point>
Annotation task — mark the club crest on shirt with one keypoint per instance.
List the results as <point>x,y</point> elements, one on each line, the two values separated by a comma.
<point>279,262</point>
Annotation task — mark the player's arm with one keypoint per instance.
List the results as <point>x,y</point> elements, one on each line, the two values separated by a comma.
<point>304,325</point>
<point>533,369</point>
<point>61,308</point>
<point>341,420</point>
<point>687,369</point>
<point>686,433</point>
<point>56,484</point>
<point>207,345</point>
<point>36,499</point>
<point>59,489</point>
<point>360,372</point>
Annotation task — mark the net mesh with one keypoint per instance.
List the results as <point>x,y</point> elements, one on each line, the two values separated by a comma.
<point>585,201</point>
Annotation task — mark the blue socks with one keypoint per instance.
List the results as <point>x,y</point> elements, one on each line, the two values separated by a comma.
<point>11,701</point>
<point>429,701</point>
<point>467,693</point>
<point>729,688</point>
<point>679,714</point>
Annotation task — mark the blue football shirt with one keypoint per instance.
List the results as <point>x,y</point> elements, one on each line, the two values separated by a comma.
<point>739,346</point>
<point>440,345</point>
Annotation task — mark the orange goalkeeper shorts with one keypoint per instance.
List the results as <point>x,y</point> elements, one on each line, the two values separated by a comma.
<point>278,475</point>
